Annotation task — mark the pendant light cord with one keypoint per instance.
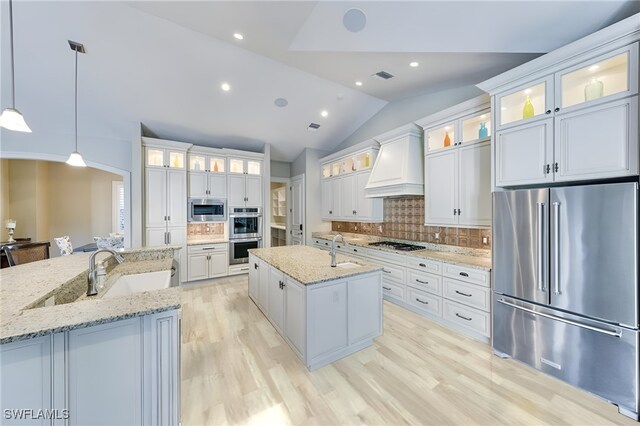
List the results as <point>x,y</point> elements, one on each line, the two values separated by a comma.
<point>76,101</point>
<point>13,76</point>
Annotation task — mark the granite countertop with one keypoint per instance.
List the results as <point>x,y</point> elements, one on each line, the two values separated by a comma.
<point>205,239</point>
<point>24,288</point>
<point>309,265</point>
<point>472,258</point>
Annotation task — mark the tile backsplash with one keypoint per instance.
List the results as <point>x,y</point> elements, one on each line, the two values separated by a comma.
<point>404,220</point>
<point>213,230</point>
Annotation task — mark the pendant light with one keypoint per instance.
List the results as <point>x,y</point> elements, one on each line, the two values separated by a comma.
<point>75,159</point>
<point>11,118</point>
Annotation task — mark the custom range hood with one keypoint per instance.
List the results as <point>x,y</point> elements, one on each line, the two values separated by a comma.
<point>398,169</point>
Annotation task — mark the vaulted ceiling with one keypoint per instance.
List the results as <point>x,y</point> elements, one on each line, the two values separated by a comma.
<point>162,63</point>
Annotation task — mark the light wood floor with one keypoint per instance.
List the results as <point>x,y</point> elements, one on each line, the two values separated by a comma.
<point>237,370</point>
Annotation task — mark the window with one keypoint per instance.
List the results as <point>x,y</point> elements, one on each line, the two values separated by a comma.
<point>117,207</point>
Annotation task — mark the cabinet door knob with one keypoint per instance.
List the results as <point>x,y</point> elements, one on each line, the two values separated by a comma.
<point>455,211</point>
<point>459,212</point>
<point>547,169</point>
<point>548,112</point>
<point>555,168</point>
<point>557,109</point>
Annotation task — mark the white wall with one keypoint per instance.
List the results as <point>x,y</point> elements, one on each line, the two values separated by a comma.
<point>4,198</point>
<point>404,111</point>
<point>280,169</point>
<point>313,188</point>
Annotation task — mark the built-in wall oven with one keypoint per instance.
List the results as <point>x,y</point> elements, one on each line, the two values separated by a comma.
<point>239,249</point>
<point>245,222</point>
<point>245,233</point>
<point>206,210</point>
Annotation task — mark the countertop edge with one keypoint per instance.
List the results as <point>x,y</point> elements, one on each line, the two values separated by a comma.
<point>85,324</point>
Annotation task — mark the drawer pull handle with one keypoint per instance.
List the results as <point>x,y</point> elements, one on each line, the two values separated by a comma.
<point>422,301</point>
<point>422,282</point>
<point>386,288</point>
<point>464,318</point>
<point>463,294</point>
<point>464,274</point>
<point>385,271</point>
<point>422,264</point>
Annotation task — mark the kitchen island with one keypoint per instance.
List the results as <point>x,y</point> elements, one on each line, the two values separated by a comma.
<point>324,313</point>
<point>112,357</point>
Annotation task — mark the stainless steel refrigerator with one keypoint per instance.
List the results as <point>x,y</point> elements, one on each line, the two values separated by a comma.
<point>565,300</point>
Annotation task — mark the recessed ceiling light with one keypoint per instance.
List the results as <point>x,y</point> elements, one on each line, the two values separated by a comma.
<point>225,87</point>
<point>358,83</point>
<point>594,68</point>
<point>324,113</point>
<point>238,36</point>
<point>413,64</point>
<point>281,102</point>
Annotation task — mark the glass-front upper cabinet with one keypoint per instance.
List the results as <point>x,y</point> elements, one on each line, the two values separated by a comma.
<point>197,163</point>
<point>441,137</point>
<point>602,77</point>
<point>216,165</point>
<point>204,163</point>
<point>476,127</point>
<point>242,166</point>
<point>525,103</point>
<point>349,164</point>
<point>326,170</point>
<point>158,157</point>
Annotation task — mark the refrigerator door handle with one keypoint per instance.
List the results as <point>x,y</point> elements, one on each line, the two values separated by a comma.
<point>556,247</point>
<point>540,257</point>
<point>614,333</point>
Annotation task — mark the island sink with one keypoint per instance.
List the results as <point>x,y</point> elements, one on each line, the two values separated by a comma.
<point>348,265</point>
<point>137,283</point>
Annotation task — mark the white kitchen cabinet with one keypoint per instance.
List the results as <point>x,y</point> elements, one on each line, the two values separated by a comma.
<point>263,285</point>
<point>321,322</point>
<point>26,377</point>
<point>207,261</point>
<point>345,175</point>
<point>254,276</point>
<point>585,125</point>
<point>458,186</point>
<point>441,197</point>
<point>524,154</point>
<point>246,166</point>
<point>275,310</point>
<point>327,198</point>
<point>207,185</point>
<point>97,355</point>
<point>165,197</point>
<point>597,142</point>
<point>295,309</point>
<point>244,190</point>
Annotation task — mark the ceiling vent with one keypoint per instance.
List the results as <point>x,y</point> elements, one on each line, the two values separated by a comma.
<point>313,127</point>
<point>383,75</point>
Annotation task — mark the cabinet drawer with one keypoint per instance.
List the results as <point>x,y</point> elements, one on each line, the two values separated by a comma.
<point>385,257</point>
<point>467,294</point>
<point>353,250</point>
<point>323,244</point>
<point>427,282</point>
<point>470,275</point>
<point>207,248</point>
<point>393,290</point>
<point>424,301</point>
<point>467,317</point>
<point>392,273</point>
<point>431,266</point>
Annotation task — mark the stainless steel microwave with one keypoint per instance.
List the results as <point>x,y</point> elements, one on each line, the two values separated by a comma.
<point>206,210</point>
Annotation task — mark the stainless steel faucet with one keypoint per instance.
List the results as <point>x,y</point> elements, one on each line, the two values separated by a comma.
<point>92,276</point>
<point>333,249</point>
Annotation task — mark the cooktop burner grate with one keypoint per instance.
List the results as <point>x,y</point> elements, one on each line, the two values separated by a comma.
<point>396,246</point>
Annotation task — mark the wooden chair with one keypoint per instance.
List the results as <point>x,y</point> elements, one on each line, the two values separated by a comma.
<point>17,254</point>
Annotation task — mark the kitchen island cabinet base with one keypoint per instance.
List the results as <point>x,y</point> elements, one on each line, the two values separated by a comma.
<point>321,322</point>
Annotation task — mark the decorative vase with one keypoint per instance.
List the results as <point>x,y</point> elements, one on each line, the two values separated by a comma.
<point>593,90</point>
<point>215,166</point>
<point>528,111</point>
<point>483,132</point>
<point>447,139</point>
<point>366,160</point>
<point>196,165</point>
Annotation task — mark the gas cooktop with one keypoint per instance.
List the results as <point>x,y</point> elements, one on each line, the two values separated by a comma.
<point>396,246</point>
